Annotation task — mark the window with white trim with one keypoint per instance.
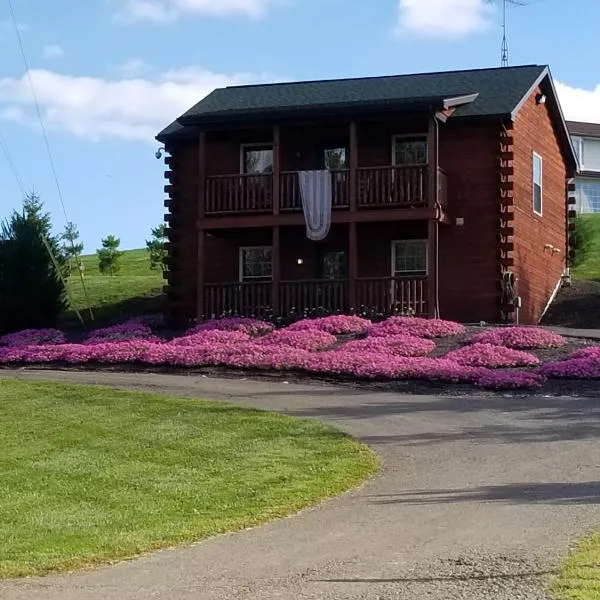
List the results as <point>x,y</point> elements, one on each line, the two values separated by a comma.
<point>409,258</point>
<point>256,159</point>
<point>588,152</point>
<point>409,150</point>
<point>256,263</point>
<point>538,187</point>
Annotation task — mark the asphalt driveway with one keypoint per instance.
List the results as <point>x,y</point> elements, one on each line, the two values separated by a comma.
<point>479,497</point>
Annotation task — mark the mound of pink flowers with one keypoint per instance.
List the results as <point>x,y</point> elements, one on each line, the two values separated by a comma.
<point>581,364</point>
<point>33,337</point>
<point>520,338</point>
<point>336,325</point>
<point>424,328</point>
<point>397,345</point>
<point>210,336</point>
<point>493,357</point>
<point>510,380</point>
<point>247,325</point>
<point>130,330</point>
<point>309,339</point>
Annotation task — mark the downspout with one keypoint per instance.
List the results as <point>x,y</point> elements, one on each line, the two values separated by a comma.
<point>436,308</point>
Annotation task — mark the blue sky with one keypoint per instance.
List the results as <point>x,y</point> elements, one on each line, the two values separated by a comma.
<point>110,73</point>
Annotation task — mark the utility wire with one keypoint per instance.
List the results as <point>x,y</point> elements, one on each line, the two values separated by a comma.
<point>52,167</point>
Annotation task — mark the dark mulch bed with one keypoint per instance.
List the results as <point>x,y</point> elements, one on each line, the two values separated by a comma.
<point>577,305</point>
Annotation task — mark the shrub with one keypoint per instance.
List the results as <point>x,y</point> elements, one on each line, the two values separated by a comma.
<point>520,338</point>
<point>493,357</point>
<point>510,380</point>
<point>335,324</point>
<point>425,328</point>
<point>397,345</point>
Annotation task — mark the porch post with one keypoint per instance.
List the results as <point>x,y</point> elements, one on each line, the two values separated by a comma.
<point>276,168</point>
<point>432,225</point>
<point>353,264</point>
<point>276,270</point>
<point>200,270</point>
<point>353,165</point>
<point>200,274</point>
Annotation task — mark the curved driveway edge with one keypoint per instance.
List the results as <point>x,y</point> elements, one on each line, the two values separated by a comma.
<point>478,498</point>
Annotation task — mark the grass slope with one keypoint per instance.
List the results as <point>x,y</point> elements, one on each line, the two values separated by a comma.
<point>135,289</point>
<point>579,578</point>
<point>91,475</point>
<point>587,255</point>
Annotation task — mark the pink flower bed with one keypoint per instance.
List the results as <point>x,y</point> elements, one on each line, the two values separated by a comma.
<point>304,339</point>
<point>397,345</point>
<point>520,338</point>
<point>336,325</point>
<point>211,336</point>
<point>130,330</point>
<point>33,337</point>
<point>493,357</point>
<point>250,326</point>
<point>510,380</point>
<point>585,367</point>
<point>588,352</point>
<point>425,328</point>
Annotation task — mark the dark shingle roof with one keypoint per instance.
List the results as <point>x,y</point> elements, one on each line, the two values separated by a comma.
<point>500,91</point>
<point>585,129</point>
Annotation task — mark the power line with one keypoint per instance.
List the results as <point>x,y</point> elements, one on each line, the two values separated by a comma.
<point>13,167</point>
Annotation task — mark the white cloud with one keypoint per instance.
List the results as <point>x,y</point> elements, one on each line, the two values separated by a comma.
<point>579,104</point>
<point>443,18</point>
<point>168,11</point>
<point>94,108</point>
<point>134,67</point>
<point>52,51</point>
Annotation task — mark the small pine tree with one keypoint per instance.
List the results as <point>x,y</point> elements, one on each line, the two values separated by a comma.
<point>157,247</point>
<point>32,294</point>
<point>109,256</point>
<point>71,247</point>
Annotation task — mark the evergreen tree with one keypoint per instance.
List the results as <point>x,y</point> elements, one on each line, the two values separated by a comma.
<point>71,247</point>
<point>32,294</point>
<point>109,256</point>
<point>157,247</point>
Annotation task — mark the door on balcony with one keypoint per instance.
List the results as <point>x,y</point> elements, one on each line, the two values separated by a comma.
<point>333,284</point>
<point>409,269</point>
<point>256,168</point>
<point>409,156</point>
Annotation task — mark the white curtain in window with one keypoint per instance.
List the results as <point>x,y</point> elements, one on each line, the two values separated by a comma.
<point>591,155</point>
<point>316,192</point>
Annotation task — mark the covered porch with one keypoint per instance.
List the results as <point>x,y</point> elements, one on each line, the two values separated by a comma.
<point>383,267</point>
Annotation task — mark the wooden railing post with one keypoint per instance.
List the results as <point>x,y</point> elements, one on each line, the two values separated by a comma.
<point>353,165</point>
<point>276,168</point>
<point>432,230</point>
<point>276,267</point>
<point>352,264</point>
<point>200,274</point>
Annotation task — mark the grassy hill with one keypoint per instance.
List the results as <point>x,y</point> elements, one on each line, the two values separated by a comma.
<point>587,256</point>
<point>136,289</point>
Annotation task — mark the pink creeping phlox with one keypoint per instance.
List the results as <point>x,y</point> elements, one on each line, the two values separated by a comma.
<point>510,380</point>
<point>584,367</point>
<point>587,352</point>
<point>250,326</point>
<point>335,324</point>
<point>129,330</point>
<point>424,328</point>
<point>493,357</point>
<point>397,345</point>
<point>303,340</point>
<point>520,338</point>
<point>211,336</point>
<point>33,337</point>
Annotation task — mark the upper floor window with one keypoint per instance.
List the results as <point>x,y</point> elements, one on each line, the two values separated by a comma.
<point>409,150</point>
<point>256,159</point>
<point>256,263</point>
<point>335,159</point>
<point>538,188</point>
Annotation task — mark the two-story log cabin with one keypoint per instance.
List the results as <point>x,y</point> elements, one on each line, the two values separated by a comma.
<point>449,195</point>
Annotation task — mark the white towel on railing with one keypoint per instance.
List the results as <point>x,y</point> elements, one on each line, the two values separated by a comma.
<point>316,192</point>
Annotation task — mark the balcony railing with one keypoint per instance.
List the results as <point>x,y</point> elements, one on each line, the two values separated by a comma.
<point>376,187</point>
<point>385,294</point>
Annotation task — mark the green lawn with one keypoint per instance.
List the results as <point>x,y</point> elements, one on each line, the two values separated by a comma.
<point>580,576</point>
<point>587,254</point>
<point>91,475</point>
<point>136,288</point>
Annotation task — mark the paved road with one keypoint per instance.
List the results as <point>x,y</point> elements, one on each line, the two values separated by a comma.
<point>478,498</point>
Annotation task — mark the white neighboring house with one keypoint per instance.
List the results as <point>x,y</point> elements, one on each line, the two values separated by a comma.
<point>586,140</point>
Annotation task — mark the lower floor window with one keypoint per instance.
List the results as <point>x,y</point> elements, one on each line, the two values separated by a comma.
<point>256,263</point>
<point>409,258</point>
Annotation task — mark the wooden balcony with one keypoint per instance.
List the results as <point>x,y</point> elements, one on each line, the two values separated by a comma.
<point>376,188</point>
<point>384,294</point>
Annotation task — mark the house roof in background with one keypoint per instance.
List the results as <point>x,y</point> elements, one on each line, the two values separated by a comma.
<point>583,129</point>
